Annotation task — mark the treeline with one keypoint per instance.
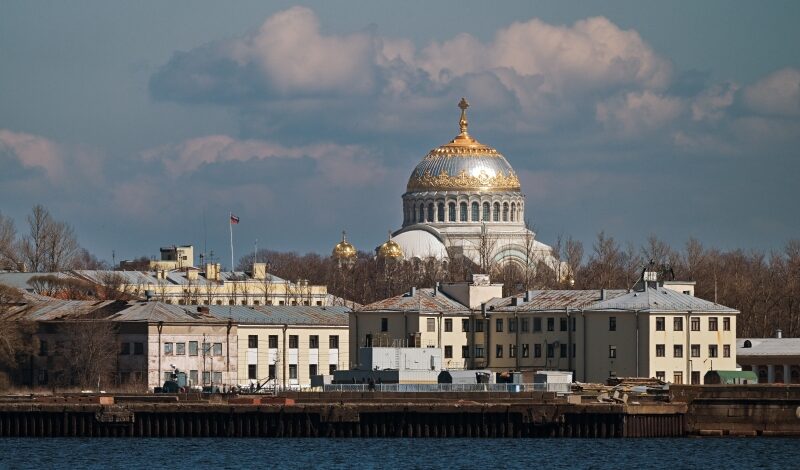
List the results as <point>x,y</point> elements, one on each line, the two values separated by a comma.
<point>48,245</point>
<point>764,287</point>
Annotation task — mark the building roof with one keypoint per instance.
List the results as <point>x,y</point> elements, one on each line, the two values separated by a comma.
<point>658,300</point>
<point>122,311</point>
<point>553,300</point>
<point>175,277</point>
<point>423,300</point>
<point>282,314</point>
<point>761,347</point>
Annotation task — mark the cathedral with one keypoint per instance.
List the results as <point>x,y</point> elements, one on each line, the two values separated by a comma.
<point>464,199</point>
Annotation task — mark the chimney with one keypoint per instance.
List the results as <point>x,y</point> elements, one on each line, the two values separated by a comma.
<point>436,288</point>
<point>483,310</point>
<point>528,295</point>
<point>413,291</point>
<point>603,294</point>
<point>779,333</point>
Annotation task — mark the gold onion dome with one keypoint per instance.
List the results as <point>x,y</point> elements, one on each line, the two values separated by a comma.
<point>463,164</point>
<point>344,250</point>
<point>390,250</point>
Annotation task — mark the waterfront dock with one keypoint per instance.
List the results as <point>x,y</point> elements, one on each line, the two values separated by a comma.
<point>752,410</point>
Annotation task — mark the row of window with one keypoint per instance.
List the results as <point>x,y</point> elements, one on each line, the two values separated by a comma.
<point>473,212</point>
<point>243,302</point>
<point>525,350</point>
<point>677,324</point>
<point>677,377</point>
<point>195,349</point>
<point>208,377</point>
<point>313,369</point>
<point>500,324</point>
<point>677,350</point>
<point>294,341</point>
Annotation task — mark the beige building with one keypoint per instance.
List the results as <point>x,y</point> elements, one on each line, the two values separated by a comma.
<point>655,332</point>
<point>774,360</point>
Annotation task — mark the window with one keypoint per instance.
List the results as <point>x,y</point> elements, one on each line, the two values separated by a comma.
<point>677,324</point>
<point>695,377</point>
<point>217,377</point>
<point>451,212</point>
<point>465,351</point>
<point>677,350</point>
<point>563,350</point>
<point>206,349</point>
<point>695,323</point>
<point>440,212</point>
<point>448,352</point>
<point>726,323</point>
<point>465,324</point>
<point>726,350</point>
<point>192,377</point>
<point>193,348</point>
<point>252,371</point>
<point>448,324</point>
<point>463,209</point>
<point>496,212</point>
<point>313,342</point>
<point>537,324</point>
<point>252,341</point>
<point>486,212</point>
<point>42,348</point>
<point>272,341</point>
<point>479,351</point>
<point>499,350</point>
<point>612,351</point>
<point>660,324</point>
<point>218,349</point>
<point>524,326</point>
<point>712,350</point>
<point>292,371</point>
<point>271,371</point>
<point>479,326</point>
<point>125,349</point>
<point>180,349</point>
<point>384,324</point>
<point>499,325</point>
<point>537,350</point>
<point>660,350</point>
<point>476,212</point>
<point>167,376</point>
<point>206,378</point>
<point>431,325</point>
<point>574,324</point>
<point>551,350</point>
<point>562,324</point>
<point>695,350</point>
<point>526,350</point>
<point>294,341</point>
<point>421,216</point>
<point>661,375</point>
<point>331,369</point>
<point>513,209</point>
<point>512,350</point>
<point>712,324</point>
<point>512,325</point>
<point>334,342</point>
<point>551,324</point>
<point>430,212</point>
<point>612,323</point>
<point>312,370</point>
<point>505,212</point>
<point>138,349</point>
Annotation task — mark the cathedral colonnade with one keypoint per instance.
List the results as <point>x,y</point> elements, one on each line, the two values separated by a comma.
<point>464,208</point>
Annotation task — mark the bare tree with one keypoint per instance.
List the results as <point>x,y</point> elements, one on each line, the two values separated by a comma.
<point>9,253</point>
<point>15,336</point>
<point>92,353</point>
<point>50,245</point>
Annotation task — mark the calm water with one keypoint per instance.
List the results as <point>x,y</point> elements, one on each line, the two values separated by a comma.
<point>400,453</point>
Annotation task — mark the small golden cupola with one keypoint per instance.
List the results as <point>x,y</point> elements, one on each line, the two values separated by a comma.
<point>390,250</point>
<point>344,251</point>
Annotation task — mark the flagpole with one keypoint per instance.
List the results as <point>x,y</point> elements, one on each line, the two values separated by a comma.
<point>230,226</point>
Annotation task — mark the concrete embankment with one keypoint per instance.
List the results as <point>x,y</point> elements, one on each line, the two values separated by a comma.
<point>688,410</point>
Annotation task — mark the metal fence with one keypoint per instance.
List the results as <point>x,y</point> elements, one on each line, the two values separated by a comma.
<point>411,388</point>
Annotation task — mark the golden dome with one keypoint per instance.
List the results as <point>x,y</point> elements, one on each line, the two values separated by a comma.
<point>344,250</point>
<point>390,250</point>
<point>463,163</point>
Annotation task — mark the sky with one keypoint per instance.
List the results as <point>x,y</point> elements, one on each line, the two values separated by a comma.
<point>143,124</point>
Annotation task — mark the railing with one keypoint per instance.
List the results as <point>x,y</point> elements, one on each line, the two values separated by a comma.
<point>413,388</point>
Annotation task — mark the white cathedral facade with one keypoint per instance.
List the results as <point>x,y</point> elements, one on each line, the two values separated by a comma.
<point>464,198</point>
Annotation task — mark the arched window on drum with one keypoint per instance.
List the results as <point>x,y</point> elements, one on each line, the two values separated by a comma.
<point>451,212</point>
<point>487,211</point>
<point>513,211</point>
<point>421,213</point>
<point>463,215</point>
<point>440,212</point>
<point>430,212</point>
<point>505,212</point>
<point>476,212</point>
<point>496,213</point>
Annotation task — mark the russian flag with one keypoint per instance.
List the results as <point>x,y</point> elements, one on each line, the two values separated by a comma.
<point>234,219</point>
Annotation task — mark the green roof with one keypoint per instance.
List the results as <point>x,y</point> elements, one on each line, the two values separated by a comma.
<point>735,376</point>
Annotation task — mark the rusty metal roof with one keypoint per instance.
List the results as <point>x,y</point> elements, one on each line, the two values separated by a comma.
<point>282,314</point>
<point>424,300</point>
<point>660,300</point>
<point>122,311</point>
<point>552,300</point>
